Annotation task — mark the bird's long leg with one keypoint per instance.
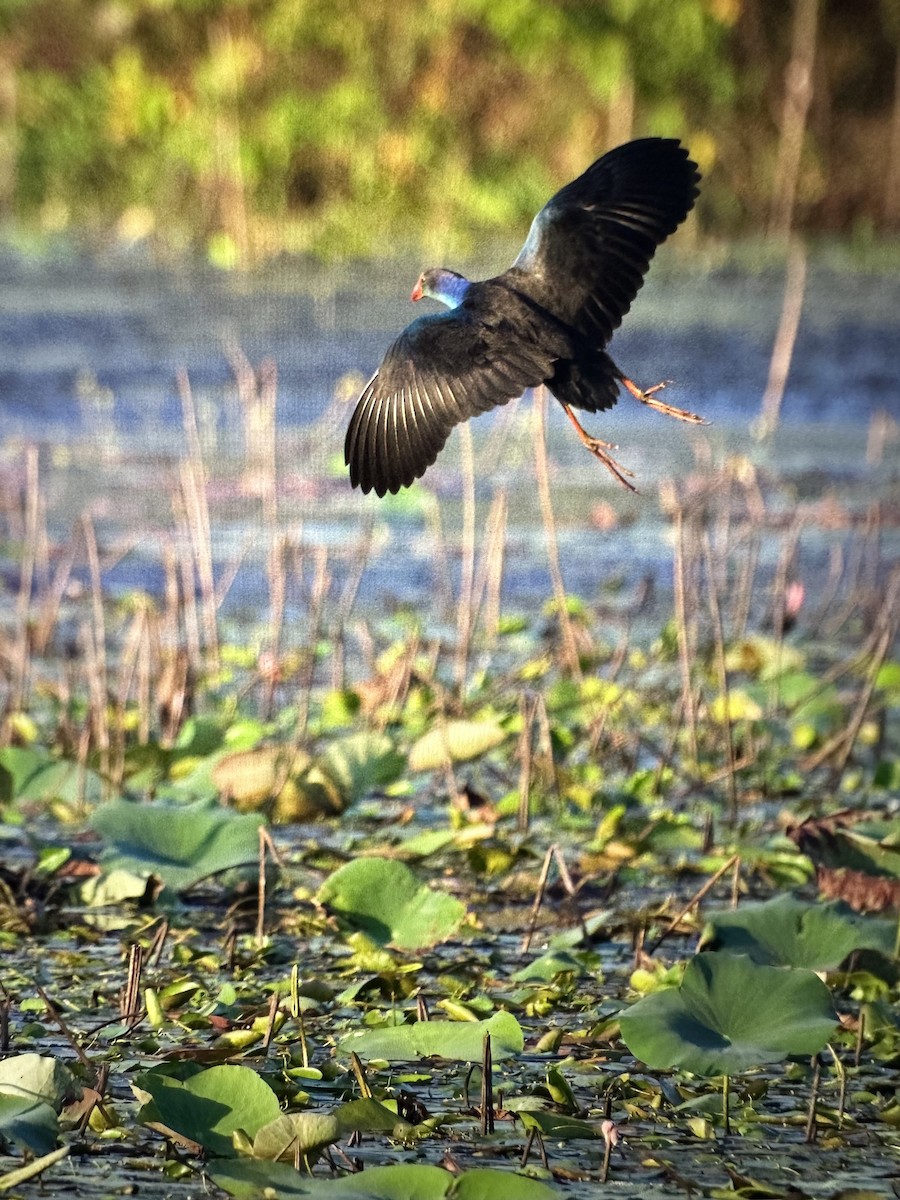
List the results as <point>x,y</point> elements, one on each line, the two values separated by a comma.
<point>599,450</point>
<point>646,397</point>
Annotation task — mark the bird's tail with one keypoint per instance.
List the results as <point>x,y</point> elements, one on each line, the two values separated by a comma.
<point>589,382</point>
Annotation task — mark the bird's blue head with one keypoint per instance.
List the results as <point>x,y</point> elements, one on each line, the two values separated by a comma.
<point>437,283</point>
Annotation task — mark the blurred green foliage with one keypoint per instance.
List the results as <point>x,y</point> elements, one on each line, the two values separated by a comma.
<point>252,127</point>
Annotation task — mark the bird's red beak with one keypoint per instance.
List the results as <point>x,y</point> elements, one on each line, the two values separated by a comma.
<point>417,292</point>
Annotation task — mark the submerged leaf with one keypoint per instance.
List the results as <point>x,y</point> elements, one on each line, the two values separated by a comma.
<point>729,1015</point>
<point>386,901</point>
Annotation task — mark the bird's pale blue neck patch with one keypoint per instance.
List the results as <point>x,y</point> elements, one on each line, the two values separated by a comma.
<point>448,287</point>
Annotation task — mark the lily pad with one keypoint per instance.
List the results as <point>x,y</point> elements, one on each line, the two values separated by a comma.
<point>38,1077</point>
<point>460,1040</point>
<point>36,776</point>
<point>383,899</point>
<point>730,1014</point>
<point>361,763</point>
<point>247,1180</point>
<point>179,843</point>
<point>29,1123</point>
<point>455,741</point>
<point>210,1105</point>
<point>557,1126</point>
<point>786,931</point>
<point>296,1135</point>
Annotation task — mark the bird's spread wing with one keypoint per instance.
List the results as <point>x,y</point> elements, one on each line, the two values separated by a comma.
<point>590,246</point>
<point>442,370</point>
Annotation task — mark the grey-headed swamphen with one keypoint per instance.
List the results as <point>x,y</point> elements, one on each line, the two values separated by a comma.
<point>546,320</point>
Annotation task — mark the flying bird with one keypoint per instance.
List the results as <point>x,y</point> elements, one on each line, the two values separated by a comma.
<point>546,320</point>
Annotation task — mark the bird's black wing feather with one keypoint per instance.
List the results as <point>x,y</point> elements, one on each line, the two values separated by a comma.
<point>440,371</point>
<point>590,246</point>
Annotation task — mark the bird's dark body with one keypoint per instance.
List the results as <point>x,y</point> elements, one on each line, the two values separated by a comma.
<point>547,319</point>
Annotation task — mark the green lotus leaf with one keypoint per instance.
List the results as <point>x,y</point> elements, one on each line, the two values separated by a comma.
<point>383,899</point>
<point>730,1014</point>
<point>786,931</point>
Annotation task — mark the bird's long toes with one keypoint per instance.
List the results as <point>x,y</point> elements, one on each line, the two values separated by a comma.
<point>657,387</point>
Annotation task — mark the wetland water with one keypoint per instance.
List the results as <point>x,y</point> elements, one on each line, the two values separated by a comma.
<point>89,355</point>
<point>90,351</point>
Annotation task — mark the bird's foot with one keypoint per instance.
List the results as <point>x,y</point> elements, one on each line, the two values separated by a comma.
<point>600,450</point>
<point>646,397</point>
<point>596,447</point>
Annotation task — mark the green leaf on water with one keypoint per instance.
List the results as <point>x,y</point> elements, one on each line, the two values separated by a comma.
<point>301,1135</point>
<point>38,1077</point>
<point>247,1179</point>
<point>459,1040</point>
<point>360,763</point>
<point>383,899</point>
<point>210,1105</point>
<point>730,1014</point>
<point>557,1126</point>
<point>786,931</point>
<point>179,843</point>
<point>455,741</point>
<point>27,1122</point>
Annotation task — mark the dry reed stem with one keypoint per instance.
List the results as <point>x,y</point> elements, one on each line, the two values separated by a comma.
<point>684,634</point>
<point>487,1088</point>
<point>886,625</point>
<point>276,576</point>
<point>798,93</point>
<point>785,339</point>
<point>489,584</point>
<point>719,645</point>
<point>20,684</point>
<point>538,900</point>
<point>196,509</point>
<point>464,608</point>
<point>700,893</point>
<point>542,471</point>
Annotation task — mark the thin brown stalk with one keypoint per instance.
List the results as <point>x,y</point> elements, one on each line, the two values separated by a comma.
<point>54,1014</point>
<point>684,636</point>
<point>487,1088</point>
<point>693,902</point>
<point>538,900</point>
<point>841,745</point>
<point>719,644</point>
<point>464,608</point>
<point>19,691</point>
<point>193,485</point>
<point>131,993</point>
<point>321,586</point>
<point>442,590</point>
<point>272,1022</point>
<point>359,1071</point>
<point>798,93</point>
<point>488,583</point>
<point>277,578</point>
<point>542,471</point>
<point>785,339</point>
<point>44,626</point>
<point>527,711</point>
<point>811,1131</point>
<point>185,598</point>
